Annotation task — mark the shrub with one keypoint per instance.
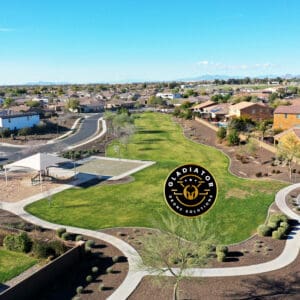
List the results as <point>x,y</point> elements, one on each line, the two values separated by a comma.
<point>95,269</point>
<point>40,249</point>
<point>233,138</point>
<point>221,256</point>
<point>281,231</point>
<point>221,248</point>
<point>89,278</point>
<point>221,133</point>
<point>19,243</point>
<point>87,249</point>
<point>101,287</point>
<point>272,225</point>
<point>90,243</point>
<point>263,230</point>
<point>276,235</point>
<point>66,236</point>
<point>78,238</point>
<point>79,289</point>
<point>284,225</point>
<point>276,219</point>
<point>115,259</point>
<point>109,270</point>
<point>258,174</point>
<point>60,231</point>
<point>58,247</point>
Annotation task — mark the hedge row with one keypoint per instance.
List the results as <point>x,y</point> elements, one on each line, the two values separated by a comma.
<point>40,249</point>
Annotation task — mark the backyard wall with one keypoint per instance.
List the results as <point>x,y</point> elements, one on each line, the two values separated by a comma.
<point>31,286</point>
<point>205,123</point>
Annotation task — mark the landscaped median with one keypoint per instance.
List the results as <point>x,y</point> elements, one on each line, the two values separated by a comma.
<point>240,207</point>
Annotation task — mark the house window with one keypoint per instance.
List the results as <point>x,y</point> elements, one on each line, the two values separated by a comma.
<point>9,120</point>
<point>253,111</point>
<point>298,116</point>
<point>285,116</point>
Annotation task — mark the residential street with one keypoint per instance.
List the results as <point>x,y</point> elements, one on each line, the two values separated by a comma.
<point>86,130</point>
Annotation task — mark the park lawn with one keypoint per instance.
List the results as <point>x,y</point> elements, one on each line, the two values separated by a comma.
<point>240,207</point>
<point>13,264</point>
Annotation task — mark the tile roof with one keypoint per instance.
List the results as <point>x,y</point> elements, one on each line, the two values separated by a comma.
<point>204,104</point>
<point>295,130</point>
<point>243,104</point>
<point>287,109</point>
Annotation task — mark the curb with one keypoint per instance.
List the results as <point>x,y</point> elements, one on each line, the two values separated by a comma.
<point>103,132</point>
<point>72,130</point>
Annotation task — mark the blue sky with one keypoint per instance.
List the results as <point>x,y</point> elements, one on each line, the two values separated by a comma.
<point>105,41</point>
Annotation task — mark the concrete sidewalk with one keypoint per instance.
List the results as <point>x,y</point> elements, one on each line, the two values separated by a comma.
<point>135,274</point>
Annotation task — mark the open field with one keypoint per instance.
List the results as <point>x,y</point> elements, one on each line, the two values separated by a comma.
<point>13,264</point>
<point>241,204</point>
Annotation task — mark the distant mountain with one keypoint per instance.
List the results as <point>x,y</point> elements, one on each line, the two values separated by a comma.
<point>226,77</point>
<point>208,78</point>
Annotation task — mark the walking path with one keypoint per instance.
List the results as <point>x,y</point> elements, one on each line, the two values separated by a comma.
<point>135,274</point>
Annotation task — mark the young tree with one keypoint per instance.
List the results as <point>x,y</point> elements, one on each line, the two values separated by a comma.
<point>7,102</point>
<point>251,147</point>
<point>289,149</point>
<point>221,133</point>
<point>233,138</point>
<point>72,104</point>
<point>262,127</point>
<point>163,251</point>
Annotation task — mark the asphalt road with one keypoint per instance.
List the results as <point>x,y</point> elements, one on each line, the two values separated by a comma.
<point>87,129</point>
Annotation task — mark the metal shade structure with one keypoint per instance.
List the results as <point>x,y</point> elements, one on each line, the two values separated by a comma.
<point>38,162</point>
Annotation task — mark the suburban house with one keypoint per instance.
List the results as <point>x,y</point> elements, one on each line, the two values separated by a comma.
<point>199,108</point>
<point>295,132</point>
<point>251,110</point>
<point>115,104</point>
<point>90,105</point>
<point>287,116</point>
<point>168,95</point>
<point>41,100</point>
<point>217,112</point>
<point>15,121</point>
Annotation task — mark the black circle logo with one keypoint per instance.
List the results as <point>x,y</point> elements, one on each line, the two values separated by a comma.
<point>190,190</point>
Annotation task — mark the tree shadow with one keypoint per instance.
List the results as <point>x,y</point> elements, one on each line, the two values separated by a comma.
<point>122,259</point>
<point>99,246</point>
<point>231,259</point>
<point>266,287</point>
<point>150,131</point>
<point>234,254</point>
<point>107,288</point>
<point>147,149</point>
<point>87,291</point>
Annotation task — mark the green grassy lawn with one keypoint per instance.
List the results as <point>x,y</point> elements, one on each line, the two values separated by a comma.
<point>13,264</point>
<point>240,207</point>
